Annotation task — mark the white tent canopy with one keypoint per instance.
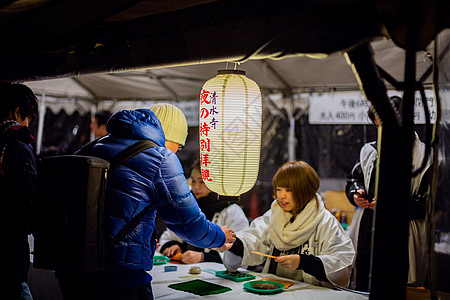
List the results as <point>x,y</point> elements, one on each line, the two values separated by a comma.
<point>288,78</point>
<point>294,74</point>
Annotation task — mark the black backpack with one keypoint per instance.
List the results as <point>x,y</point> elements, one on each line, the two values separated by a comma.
<point>68,211</point>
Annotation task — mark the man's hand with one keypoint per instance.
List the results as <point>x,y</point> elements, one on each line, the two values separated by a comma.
<point>360,200</point>
<point>172,250</point>
<point>191,257</point>
<point>373,204</point>
<point>230,236</point>
<point>289,261</point>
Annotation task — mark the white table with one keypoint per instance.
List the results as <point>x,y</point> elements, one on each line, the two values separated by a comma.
<point>299,290</point>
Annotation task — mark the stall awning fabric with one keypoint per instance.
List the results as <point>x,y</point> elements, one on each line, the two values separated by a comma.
<point>298,74</point>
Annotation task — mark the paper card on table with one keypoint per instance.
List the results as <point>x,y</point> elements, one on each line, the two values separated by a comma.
<point>176,259</point>
<point>263,254</point>
<point>286,283</point>
<point>191,276</point>
<point>176,256</point>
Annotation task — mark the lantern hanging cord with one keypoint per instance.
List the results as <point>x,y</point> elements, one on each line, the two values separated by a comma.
<point>235,65</point>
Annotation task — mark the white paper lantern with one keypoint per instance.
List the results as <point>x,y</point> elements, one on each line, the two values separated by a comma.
<point>230,132</point>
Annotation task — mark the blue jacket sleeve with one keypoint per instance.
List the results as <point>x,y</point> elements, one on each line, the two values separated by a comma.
<point>179,209</point>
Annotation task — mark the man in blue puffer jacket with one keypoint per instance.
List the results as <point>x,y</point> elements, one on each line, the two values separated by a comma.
<point>153,177</point>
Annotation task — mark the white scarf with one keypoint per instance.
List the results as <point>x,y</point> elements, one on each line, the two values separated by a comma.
<point>418,154</point>
<point>367,157</point>
<point>286,235</point>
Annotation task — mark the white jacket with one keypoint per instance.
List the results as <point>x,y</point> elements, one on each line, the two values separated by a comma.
<point>417,238</point>
<point>321,236</point>
<point>232,216</point>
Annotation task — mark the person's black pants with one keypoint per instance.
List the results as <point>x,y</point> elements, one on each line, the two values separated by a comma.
<point>364,251</point>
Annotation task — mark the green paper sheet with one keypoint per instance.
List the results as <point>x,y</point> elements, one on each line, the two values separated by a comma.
<point>200,287</point>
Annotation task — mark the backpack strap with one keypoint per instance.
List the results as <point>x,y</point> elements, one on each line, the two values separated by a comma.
<point>129,226</point>
<point>87,148</point>
<point>130,152</point>
<point>114,163</point>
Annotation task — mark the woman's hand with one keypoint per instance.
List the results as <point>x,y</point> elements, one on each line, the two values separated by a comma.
<point>225,247</point>
<point>172,250</point>
<point>289,261</point>
<point>191,257</point>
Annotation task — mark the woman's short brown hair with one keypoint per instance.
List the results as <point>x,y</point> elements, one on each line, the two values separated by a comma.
<point>301,179</point>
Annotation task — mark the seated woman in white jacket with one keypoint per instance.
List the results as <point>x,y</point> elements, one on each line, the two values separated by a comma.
<point>217,211</point>
<point>309,242</point>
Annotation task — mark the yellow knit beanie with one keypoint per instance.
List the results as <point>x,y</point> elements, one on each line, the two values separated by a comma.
<point>173,122</point>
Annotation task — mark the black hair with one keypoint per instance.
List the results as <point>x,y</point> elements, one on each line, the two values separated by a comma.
<point>102,117</point>
<point>195,165</point>
<point>16,95</point>
<point>395,100</point>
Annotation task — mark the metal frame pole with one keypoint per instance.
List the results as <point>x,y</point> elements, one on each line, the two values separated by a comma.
<point>389,267</point>
<point>40,129</point>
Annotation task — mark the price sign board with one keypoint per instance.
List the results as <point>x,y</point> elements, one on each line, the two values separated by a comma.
<point>351,108</point>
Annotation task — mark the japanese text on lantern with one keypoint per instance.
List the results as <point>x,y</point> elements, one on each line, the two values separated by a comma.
<point>208,123</point>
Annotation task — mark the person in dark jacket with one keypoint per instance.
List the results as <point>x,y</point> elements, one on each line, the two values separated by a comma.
<point>217,210</point>
<point>18,107</point>
<point>98,123</point>
<point>360,190</point>
<point>152,178</point>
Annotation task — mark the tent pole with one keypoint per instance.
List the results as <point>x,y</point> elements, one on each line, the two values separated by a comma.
<point>40,131</point>
<point>389,263</point>
<point>93,111</point>
<point>291,137</point>
<point>288,91</point>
